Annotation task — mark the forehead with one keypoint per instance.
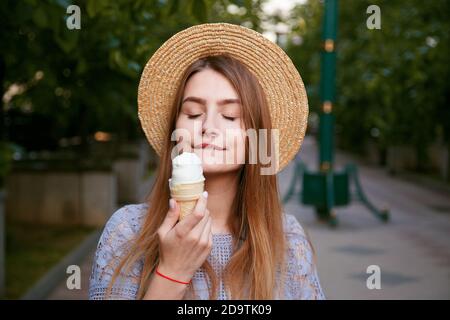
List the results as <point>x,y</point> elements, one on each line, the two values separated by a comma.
<point>210,84</point>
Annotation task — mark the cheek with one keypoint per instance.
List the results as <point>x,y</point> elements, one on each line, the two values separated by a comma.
<point>235,137</point>
<point>193,127</point>
<point>184,133</point>
<point>240,149</point>
<point>182,123</point>
<point>235,143</point>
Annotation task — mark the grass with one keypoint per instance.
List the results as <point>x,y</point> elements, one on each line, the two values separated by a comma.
<point>31,250</point>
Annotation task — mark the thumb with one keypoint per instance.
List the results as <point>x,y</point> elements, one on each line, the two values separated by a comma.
<point>171,217</point>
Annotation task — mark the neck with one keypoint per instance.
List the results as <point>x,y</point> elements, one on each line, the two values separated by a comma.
<point>221,189</point>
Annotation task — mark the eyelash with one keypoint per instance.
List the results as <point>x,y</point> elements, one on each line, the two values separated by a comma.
<point>197,115</point>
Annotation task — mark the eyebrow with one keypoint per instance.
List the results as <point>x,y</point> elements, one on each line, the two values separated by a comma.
<point>203,101</point>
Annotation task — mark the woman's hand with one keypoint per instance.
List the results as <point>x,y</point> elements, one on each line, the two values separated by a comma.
<point>184,246</point>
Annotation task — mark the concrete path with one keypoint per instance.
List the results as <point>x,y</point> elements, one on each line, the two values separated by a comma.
<point>412,250</point>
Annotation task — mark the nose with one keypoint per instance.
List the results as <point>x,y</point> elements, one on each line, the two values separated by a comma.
<point>209,127</point>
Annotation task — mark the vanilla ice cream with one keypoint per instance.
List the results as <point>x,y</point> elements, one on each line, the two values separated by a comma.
<point>186,168</point>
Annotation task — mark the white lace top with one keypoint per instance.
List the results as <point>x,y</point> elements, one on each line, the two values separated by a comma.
<point>301,282</point>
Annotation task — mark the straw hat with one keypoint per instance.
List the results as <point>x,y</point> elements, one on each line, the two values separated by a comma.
<point>274,70</point>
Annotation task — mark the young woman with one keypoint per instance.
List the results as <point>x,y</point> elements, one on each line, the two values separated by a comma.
<point>209,82</point>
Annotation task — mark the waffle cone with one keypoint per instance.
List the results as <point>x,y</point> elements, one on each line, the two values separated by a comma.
<point>186,195</point>
<point>186,208</point>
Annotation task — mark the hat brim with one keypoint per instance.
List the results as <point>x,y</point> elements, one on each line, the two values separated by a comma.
<point>277,75</point>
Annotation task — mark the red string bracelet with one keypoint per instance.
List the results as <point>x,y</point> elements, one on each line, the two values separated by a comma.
<point>168,278</point>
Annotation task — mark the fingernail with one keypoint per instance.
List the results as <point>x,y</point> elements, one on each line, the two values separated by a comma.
<point>172,203</point>
<point>205,194</point>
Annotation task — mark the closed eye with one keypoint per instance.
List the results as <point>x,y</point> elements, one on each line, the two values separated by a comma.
<point>193,116</point>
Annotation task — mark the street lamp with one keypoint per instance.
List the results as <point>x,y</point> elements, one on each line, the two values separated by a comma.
<point>327,188</point>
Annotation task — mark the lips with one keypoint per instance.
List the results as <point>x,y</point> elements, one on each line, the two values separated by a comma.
<point>207,145</point>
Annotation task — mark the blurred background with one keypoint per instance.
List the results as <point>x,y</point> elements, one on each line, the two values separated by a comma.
<point>72,150</point>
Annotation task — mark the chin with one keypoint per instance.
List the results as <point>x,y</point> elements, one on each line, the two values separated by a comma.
<point>210,169</point>
<point>215,159</point>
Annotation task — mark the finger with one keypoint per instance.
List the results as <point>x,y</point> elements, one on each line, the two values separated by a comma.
<point>205,237</point>
<point>171,217</point>
<point>199,227</point>
<point>186,225</point>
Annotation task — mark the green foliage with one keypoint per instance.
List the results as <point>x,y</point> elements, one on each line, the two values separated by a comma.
<point>306,25</point>
<point>392,83</point>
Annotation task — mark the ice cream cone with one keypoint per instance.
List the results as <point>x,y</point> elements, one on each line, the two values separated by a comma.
<point>187,194</point>
<point>187,182</point>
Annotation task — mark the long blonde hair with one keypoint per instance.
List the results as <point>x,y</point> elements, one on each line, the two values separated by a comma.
<point>256,224</point>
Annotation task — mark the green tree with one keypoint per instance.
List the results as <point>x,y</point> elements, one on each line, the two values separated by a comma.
<point>392,83</point>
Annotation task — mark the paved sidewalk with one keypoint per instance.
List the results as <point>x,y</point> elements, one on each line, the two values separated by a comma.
<point>412,250</point>
<point>62,293</point>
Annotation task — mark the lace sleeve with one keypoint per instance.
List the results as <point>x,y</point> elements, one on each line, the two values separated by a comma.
<point>302,277</point>
<point>117,234</point>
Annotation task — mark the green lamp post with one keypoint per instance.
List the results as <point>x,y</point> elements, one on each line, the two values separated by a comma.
<point>328,188</point>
